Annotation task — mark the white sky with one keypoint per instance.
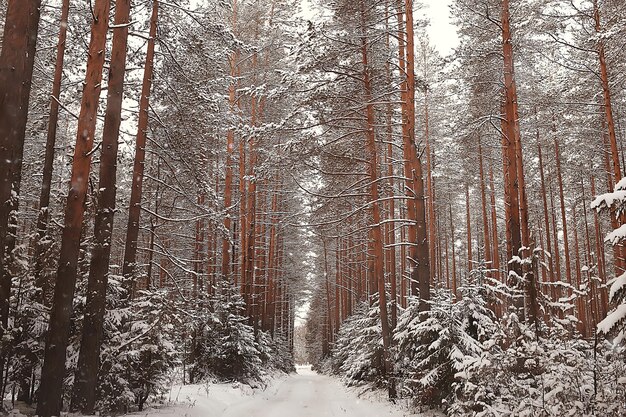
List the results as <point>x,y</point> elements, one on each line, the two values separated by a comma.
<point>441,31</point>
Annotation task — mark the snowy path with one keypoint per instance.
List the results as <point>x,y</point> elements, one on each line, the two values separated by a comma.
<point>306,394</point>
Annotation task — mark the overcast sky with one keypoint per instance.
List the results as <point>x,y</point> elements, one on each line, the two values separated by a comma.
<point>442,32</point>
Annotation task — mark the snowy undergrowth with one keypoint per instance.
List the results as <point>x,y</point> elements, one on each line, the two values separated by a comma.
<point>549,375</point>
<point>208,399</point>
<point>460,359</point>
<point>152,340</point>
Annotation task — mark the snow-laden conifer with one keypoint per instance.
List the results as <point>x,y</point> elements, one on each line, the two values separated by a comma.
<point>615,321</point>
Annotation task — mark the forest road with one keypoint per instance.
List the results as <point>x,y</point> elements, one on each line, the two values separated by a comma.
<point>308,394</point>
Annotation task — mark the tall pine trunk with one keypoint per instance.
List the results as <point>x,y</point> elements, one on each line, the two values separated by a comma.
<point>378,260</point>
<point>389,231</point>
<point>44,197</point>
<point>134,209</point>
<point>546,218</point>
<point>416,208</point>
<point>603,301</point>
<point>227,254</point>
<point>520,235</point>
<point>468,222</point>
<point>620,250</point>
<point>16,72</point>
<point>568,264</point>
<point>430,185</point>
<point>452,241</point>
<point>483,199</point>
<point>53,371</point>
<point>84,397</point>
<point>495,255</point>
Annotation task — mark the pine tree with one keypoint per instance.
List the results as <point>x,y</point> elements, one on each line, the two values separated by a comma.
<point>16,71</point>
<point>53,371</point>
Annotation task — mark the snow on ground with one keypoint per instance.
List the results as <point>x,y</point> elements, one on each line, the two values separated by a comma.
<point>305,394</point>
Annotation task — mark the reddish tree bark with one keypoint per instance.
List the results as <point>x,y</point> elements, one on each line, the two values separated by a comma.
<point>588,250</point>
<point>271,255</point>
<point>251,219</point>
<point>452,241</point>
<point>416,208</point>
<point>468,222</point>
<point>84,398</point>
<point>390,227</point>
<point>16,72</point>
<point>557,252</point>
<point>520,233</point>
<point>53,371</point>
<point>403,256</point>
<point>44,197</point>
<point>546,217</point>
<point>430,185</point>
<point>581,302</point>
<point>483,199</point>
<point>447,259</point>
<point>337,304</point>
<point>134,209</point>
<point>378,270</point>
<point>228,181</point>
<point>495,256</point>
<point>610,125</point>
<point>604,301</point>
<point>509,174</point>
<point>568,266</point>
<point>329,320</point>
<point>243,229</point>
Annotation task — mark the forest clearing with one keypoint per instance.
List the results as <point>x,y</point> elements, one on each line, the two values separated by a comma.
<point>419,198</point>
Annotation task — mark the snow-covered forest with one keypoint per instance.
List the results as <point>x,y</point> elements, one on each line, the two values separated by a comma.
<point>209,191</point>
